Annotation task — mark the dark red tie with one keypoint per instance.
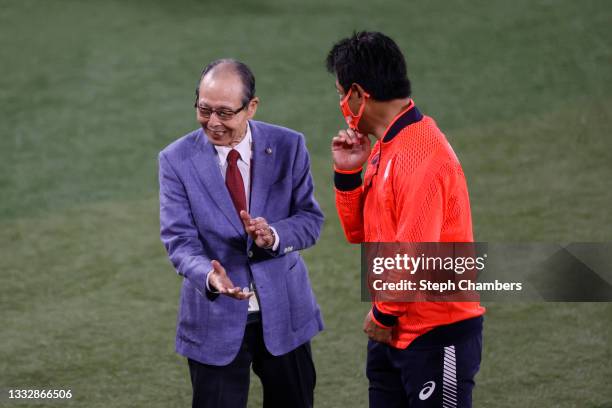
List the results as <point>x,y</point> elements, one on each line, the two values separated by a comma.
<point>233,181</point>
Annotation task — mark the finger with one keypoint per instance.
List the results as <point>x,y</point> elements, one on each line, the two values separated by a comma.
<point>241,294</point>
<point>226,289</point>
<point>221,288</point>
<point>246,293</point>
<point>339,142</point>
<point>338,139</point>
<point>363,139</point>
<point>265,240</point>
<point>351,134</point>
<point>254,228</point>
<point>378,336</point>
<point>356,138</point>
<point>345,137</point>
<point>217,266</point>
<point>244,216</point>
<point>222,283</point>
<point>355,134</point>
<point>257,220</point>
<point>237,296</point>
<point>259,226</point>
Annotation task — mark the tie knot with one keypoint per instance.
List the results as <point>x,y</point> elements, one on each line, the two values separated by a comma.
<point>233,156</point>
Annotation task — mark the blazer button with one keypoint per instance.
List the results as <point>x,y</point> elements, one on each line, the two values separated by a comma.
<point>250,254</point>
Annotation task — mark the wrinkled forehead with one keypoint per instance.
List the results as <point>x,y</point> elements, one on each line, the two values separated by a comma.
<point>222,89</point>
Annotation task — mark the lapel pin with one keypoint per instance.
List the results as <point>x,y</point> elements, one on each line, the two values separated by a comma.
<point>269,150</point>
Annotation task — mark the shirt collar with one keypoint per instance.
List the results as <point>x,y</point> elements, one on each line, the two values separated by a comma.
<point>244,148</point>
<point>405,118</point>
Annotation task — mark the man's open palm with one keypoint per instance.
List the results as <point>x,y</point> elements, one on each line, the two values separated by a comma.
<point>219,280</point>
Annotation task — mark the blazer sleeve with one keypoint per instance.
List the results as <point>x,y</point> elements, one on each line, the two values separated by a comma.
<point>303,226</point>
<point>178,231</point>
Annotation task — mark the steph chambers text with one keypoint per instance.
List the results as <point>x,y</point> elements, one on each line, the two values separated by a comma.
<point>448,286</point>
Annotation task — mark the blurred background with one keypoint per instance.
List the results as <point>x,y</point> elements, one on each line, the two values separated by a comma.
<point>90,92</point>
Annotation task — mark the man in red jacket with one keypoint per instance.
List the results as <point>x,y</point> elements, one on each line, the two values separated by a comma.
<point>420,354</point>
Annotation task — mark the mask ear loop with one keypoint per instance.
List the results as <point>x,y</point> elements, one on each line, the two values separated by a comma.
<point>361,108</point>
<point>344,101</point>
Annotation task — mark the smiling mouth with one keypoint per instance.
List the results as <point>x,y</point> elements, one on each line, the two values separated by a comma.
<point>216,132</point>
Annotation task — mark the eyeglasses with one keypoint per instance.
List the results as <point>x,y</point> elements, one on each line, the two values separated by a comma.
<point>222,113</point>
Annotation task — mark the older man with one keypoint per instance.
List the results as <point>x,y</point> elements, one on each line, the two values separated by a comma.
<point>236,207</point>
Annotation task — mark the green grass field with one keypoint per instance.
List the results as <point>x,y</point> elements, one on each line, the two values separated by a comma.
<point>91,91</point>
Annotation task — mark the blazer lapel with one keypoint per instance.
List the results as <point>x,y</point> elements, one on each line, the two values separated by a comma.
<point>206,163</point>
<point>262,169</point>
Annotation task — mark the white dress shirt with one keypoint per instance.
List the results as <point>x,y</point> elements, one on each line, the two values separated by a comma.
<point>244,166</point>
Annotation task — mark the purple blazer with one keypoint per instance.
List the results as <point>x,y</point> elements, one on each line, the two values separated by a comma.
<point>199,223</point>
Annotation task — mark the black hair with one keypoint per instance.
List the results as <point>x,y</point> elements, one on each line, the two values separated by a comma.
<point>372,60</point>
<point>243,71</point>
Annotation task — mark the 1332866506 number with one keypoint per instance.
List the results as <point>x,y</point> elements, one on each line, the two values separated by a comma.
<point>39,394</point>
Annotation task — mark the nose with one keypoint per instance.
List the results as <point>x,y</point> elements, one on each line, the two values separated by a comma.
<point>214,121</point>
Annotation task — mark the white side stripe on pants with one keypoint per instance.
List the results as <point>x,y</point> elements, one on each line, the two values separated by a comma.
<point>449,379</point>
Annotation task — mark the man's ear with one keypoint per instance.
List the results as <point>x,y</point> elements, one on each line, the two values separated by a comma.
<point>358,90</point>
<point>197,93</point>
<point>252,108</point>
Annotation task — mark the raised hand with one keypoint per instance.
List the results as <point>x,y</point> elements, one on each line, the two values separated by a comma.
<point>350,150</point>
<point>258,229</point>
<point>219,280</point>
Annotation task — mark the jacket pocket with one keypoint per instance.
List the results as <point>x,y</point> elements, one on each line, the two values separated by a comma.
<point>193,315</point>
<point>301,301</point>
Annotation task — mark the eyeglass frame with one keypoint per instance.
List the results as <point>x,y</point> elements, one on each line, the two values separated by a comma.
<point>219,112</point>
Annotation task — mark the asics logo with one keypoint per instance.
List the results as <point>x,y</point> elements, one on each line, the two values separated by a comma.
<point>428,389</point>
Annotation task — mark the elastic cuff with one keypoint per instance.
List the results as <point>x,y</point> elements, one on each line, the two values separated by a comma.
<point>383,319</point>
<point>347,181</point>
<point>337,170</point>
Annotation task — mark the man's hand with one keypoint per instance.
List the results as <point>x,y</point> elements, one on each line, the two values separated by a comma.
<point>258,229</point>
<point>219,280</point>
<point>350,150</point>
<point>374,331</point>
